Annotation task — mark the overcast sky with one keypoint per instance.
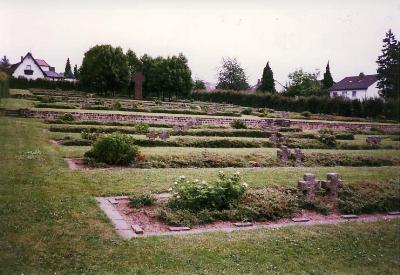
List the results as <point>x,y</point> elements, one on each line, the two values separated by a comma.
<point>290,34</point>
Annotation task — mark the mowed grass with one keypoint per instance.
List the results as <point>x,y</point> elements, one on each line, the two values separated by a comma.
<point>50,223</point>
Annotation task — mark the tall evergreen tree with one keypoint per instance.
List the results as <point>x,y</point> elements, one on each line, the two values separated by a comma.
<point>389,67</point>
<point>267,80</point>
<point>68,71</point>
<point>76,71</point>
<point>327,82</point>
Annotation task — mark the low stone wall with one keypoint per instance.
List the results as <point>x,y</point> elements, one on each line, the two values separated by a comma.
<point>200,120</point>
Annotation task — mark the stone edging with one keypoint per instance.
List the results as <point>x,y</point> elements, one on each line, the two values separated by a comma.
<point>204,120</point>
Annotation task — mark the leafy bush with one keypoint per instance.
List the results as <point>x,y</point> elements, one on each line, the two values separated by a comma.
<point>327,137</point>
<point>238,124</point>
<point>370,197</point>
<point>195,195</point>
<point>140,200</point>
<point>55,106</point>
<point>306,114</point>
<point>247,111</point>
<point>67,117</point>
<point>116,105</point>
<point>85,134</point>
<point>114,149</point>
<point>142,127</point>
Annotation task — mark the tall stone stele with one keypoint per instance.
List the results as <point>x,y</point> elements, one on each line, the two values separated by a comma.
<point>138,78</point>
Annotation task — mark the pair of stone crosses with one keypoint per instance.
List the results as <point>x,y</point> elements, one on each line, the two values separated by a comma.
<point>374,140</point>
<point>164,135</point>
<point>283,154</point>
<point>309,185</point>
<point>275,139</point>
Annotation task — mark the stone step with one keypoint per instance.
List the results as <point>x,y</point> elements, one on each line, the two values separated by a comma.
<point>301,219</point>
<point>178,228</point>
<point>394,213</point>
<point>137,229</point>
<point>349,217</point>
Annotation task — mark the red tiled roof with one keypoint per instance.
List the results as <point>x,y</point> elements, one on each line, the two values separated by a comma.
<point>41,62</point>
<point>361,82</point>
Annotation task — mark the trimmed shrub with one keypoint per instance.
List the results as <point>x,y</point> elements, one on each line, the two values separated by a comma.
<point>114,149</point>
<point>67,117</point>
<point>306,114</point>
<point>247,111</point>
<point>238,124</point>
<point>194,195</point>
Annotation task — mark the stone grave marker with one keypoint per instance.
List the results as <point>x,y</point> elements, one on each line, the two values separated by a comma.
<point>332,185</point>
<point>373,140</point>
<point>283,154</point>
<point>178,228</point>
<point>302,219</point>
<point>164,135</point>
<point>151,135</point>
<point>308,186</point>
<point>349,217</point>
<point>298,156</point>
<point>273,139</point>
<point>138,78</point>
<point>137,229</point>
<point>283,139</point>
<point>284,114</point>
<point>243,224</point>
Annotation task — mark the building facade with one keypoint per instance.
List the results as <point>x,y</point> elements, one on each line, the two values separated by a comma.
<point>359,87</point>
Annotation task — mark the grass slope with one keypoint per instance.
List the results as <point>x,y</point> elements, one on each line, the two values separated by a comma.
<point>50,223</point>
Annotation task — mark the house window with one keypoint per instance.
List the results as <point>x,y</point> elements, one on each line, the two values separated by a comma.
<point>28,67</point>
<point>334,94</point>
<point>354,93</point>
<point>344,93</point>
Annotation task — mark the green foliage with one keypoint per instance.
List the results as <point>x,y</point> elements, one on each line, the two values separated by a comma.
<point>116,105</point>
<point>93,136</point>
<point>238,124</point>
<point>306,114</point>
<point>140,200</point>
<point>4,63</point>
<point>315,104</point>
<point>389,67</point>
<point>114,149</point>
<point>231,76</point>
<point>104,69</point>
<point>76,71</point>
<point>303,84</point>
<point>247,111</point>
<point>194,195</point>
<point>67,117</point>
<point>327,82</point>
<point>55,106</point>
<point>199,85</point>
<point>327,137</point>
<point>370,197</point>
<point>267,80</point>
<point>142,127</point>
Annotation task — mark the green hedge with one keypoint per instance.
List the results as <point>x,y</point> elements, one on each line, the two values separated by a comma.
<point>324,105</point>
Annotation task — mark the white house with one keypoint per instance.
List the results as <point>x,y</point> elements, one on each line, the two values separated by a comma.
<point>356,87</point>
<point>32,68</point>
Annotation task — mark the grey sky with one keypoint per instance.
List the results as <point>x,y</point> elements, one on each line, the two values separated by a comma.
<point>290,34</point>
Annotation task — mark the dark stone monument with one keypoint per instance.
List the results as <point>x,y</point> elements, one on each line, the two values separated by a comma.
<point>374,141</point>
<point>283,154</point>
<point>151,135</point>
<point>298,156</point>
<point>332,185</point>
<point>308,186</point>
<point>138,78</point>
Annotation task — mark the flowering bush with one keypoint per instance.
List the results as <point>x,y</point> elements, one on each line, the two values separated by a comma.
<point>195,195</point>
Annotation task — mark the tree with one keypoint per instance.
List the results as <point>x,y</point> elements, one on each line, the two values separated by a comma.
<point>303,84</point>
<point>68,71</point>
<point>4,62</point>
<point>231,76</point>
<point>267,80</point>
<point>134,62</point>
<point>327,82</point>
<point>389,67</point>
<point>199,85</point>
<point>76,73</point>
<point>104,69</point>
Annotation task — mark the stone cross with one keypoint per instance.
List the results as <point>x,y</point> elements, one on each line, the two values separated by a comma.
<point>177,128</point>
<point>283,114</point>
<point>283,154</point>
<point>138,78</point>
<point>298,156</point>
<point>164,135</point>
<point>151,134</point>
<point>308,186</point>
<point>274,139</point>
<point>283,139</point>
<point>332,185</point>
<point>373,141</point>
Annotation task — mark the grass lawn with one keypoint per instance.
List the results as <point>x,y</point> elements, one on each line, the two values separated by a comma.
<point>50,222</point>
